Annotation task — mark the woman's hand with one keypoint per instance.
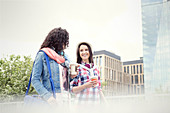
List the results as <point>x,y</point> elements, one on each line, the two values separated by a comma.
<point>77,70</point>
<point>91,84</point>
<point>52,101</point>
<point>95,83</point>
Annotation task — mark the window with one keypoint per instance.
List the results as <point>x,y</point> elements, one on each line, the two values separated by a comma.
<point>142,89</point>
<point>140,68</point>
<point>134,69</point>
<point>105,73</point>
<point>136,79</point>
<point>137,69</point>
<point>113,64</point>
<point>138,89</point>
<point>93,58</point>
<point>134,89</point>
<point>131,70</point>
<point>131,89</point>
<point>110,74</point>
<point>127,69</point>
<point>120,77</point>
<point>141,79</point>
<point>114,75</point>
<point>100,73</point>
<point>105,60</point>
<point>128,89</point>
<point>132,79</point>
<point>100,60</point>
<point>97,61</point>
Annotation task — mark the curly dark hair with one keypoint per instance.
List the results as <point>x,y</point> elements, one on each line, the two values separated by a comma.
<point>56,39</point>
<point>79,59</point>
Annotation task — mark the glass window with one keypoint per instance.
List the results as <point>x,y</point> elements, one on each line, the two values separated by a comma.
<point>97,61</point>
<point>105,73</point>
<point>128,89</point>
<point>136,79</point>
<point>105,60</point>
<point>142,89</point>
<point>113,64</point>
<point>135,89</point>
<point>127,69</point>
<point>120,77</point>
<point>100,61</point>
<point>131,89</point>
<point>132,79</point>
<point>114,75</point>
<point>100,73</point>
<point>131,70</point>
<point>110,74</point>
<point>134,69</point>
<point>138,89</point>
<point>137,69</point>
<point>141,79</point>
<point>140,68</point>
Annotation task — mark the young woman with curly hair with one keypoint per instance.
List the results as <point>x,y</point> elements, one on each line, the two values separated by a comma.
<point>56,41</point>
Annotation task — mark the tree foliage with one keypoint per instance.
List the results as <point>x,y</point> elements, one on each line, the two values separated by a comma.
<point>15,72</point>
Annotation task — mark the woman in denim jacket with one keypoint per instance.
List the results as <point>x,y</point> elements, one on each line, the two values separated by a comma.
<point>56,41</point>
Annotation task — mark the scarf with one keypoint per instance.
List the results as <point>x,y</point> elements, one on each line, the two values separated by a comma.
<point>88,65</point>
<point>53,55</point>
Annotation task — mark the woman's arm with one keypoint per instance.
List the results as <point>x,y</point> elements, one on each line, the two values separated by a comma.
<point>78,89</point>
<point>36,76</point>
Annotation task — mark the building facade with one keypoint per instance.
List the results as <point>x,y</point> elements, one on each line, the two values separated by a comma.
<point>114,81</point>
<point>135,70</point>
<point>156,45</point>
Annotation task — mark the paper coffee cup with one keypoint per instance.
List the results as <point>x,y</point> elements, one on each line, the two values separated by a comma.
<point>73,68</point>
<point>94,78</point>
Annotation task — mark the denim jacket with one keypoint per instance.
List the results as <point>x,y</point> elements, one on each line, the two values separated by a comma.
<point>40,75</point>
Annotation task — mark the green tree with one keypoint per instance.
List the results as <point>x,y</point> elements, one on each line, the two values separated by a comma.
<point>14,77</point>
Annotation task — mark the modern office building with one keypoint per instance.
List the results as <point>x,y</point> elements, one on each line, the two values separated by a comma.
<point>156,45</point>
<point>135,69</point>
<point>114,82</point>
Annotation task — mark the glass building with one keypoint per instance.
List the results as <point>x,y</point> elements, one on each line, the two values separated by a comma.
<point>156,45</point>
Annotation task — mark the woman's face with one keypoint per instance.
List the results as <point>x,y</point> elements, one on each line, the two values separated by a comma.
<point>84,53</point>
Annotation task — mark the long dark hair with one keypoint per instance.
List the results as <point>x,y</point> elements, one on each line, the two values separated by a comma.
<point>79,59</point>
<point>55,39</point>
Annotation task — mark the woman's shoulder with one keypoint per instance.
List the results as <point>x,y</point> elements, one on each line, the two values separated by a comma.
<point>39,55</point>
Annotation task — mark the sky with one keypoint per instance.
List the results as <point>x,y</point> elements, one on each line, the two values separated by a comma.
<point>112,25</point>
